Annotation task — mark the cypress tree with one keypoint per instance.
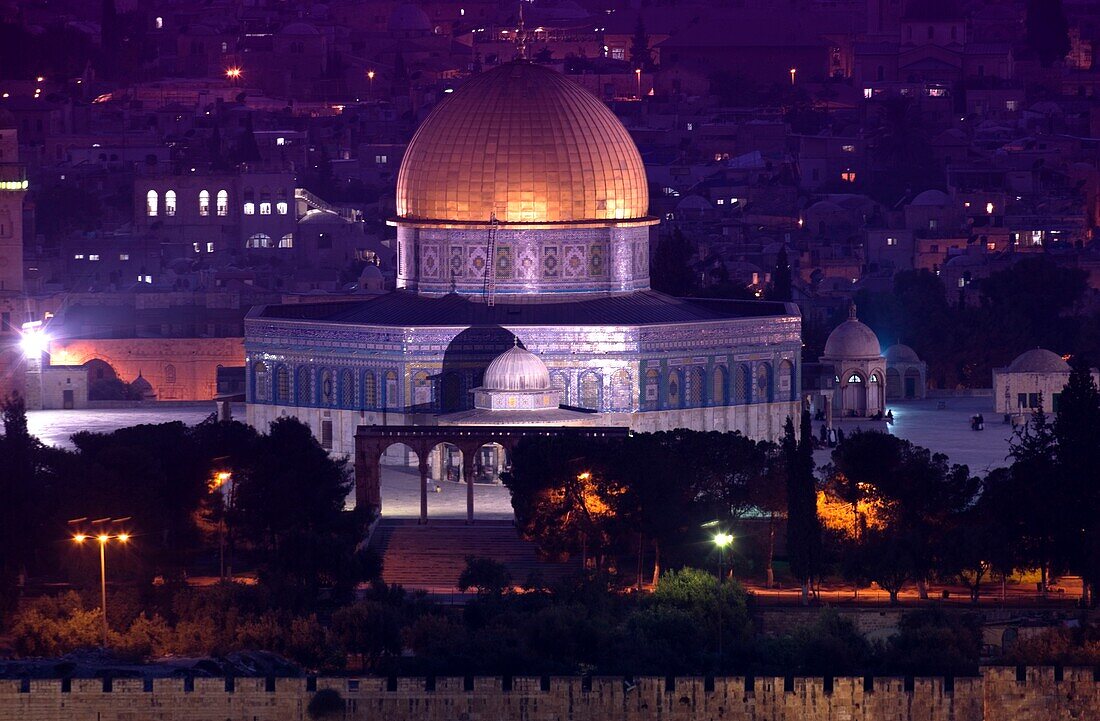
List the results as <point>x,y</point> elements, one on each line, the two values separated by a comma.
<point>1047,30</point>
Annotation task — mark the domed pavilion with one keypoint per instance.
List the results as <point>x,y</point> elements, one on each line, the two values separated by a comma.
<point>1033,380</point>
<point>522,213</point>
<point>859,368</point>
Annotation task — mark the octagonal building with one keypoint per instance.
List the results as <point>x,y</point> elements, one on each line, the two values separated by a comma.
<point>522,218</point>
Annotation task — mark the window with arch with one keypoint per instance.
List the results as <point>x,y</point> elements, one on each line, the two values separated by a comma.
<point>265,208</point>
<point>370,390</point>
<point>720,386</point>
<point>282,384</point>
<point>873,378</point>
<point>304,383</point>
<point>347,389</point>
<point>422,388</point>
<point>170,203</point>
<point>652,387</point>
<point>622,391</point>
<point>223,203</point>
<point>855,378</point>
<point>261,381</point>
<point>204,203</point>
<point>392,393</point>
<point>249,208</point>
<point>590,391</point>
<point>787,389</point>
<point>169,373</point>
<point>287,241</point>
<point>151,203</point>
<point>258,240</point>
<point>694,394</point>
<point>560,382</point>
<point>328,388</point>
<point>674,392</point>
<point>281,207</point>
<point>741,386</point>
<point>764,388</point>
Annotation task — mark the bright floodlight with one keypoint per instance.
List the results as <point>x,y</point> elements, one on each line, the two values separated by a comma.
<point>79,538</point>
<point>723,539</point>
<point>34,342</point>
<point>103,538</point>
<point>124,537</point>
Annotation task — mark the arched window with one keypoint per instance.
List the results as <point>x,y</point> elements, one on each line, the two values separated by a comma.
<point>249,208</point>
<point>560,382</point>
<point>261,381</point>
<point>696,381</point>
<point>854,378</point>
<point>281,207</point>
<point>287,241</point>
<point>874,378</point>
<point>742,389</point>
<point>282,385</point>
<point>169,373</point>
<point>265,201</point>
<point>622,391</point>
<point>590,391</point>
<point>787,387</point>
<point>422,389</point>
<point>204,203</point>
<point>765,390</point>
<point>151,199</point>
<point>652,387</point>
<point>170,203</point>
<point>328,389</point>
<point>258,240</point>
<point>347,389</point>
<point>391,391</point>
<point>675,392</point>
<point>223,203</point>
<point>370,390</point>
<point>719,387</point>
<point>304,383</point>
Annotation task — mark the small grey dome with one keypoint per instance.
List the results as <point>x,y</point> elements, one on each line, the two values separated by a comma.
<point>936,198</point>
<point>851,340</point>
<point>408,18</point>
<point>900,353</point>
<point>517,369</point>
<point>1039,360</point>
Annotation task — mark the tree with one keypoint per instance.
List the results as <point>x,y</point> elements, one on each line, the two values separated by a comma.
<point>488,577</point>
<point>671,268</point>
<point>781,277</point>
<point>803,524</point>
<point>1047,30</point>
<point>641,57</point>
<point>1040,497</point>
<point>326,704</point>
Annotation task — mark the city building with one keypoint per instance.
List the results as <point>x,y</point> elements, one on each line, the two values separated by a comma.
<point>1034,380</point>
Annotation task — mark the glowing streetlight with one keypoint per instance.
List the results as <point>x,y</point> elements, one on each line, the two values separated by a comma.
<point>222,481</point>
<point>34,341</point>
<point>370,77</point>
<point>233,73</point>
<point>103,539</point>
<point>792,72</point>
<point>638,75</point>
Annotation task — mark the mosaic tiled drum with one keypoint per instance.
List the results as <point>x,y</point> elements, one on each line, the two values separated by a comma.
<point>552,165</point>
<point>569,253</point>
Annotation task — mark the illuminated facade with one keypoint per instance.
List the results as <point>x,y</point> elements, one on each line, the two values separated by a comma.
<point>521,216</point>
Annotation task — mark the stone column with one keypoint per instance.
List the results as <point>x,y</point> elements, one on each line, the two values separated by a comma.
<point>368,487</point>
<point>468,456</point>
<point>423,458</point>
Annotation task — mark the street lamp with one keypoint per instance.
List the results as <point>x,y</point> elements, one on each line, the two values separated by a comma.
<point>223,481</point>
<point>103,538</point>
<point>370,77</point>
<point>638,75</point>
<point>793,71</point>
<point>721,540</point>
<point>233,73</point>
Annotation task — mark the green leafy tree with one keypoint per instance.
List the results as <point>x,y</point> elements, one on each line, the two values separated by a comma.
<point>781,277</point>
<point>803,525</point>
<point>1040,495</point>
<point>671,270</point>
<point>489,578</point>
<point>640,54</point>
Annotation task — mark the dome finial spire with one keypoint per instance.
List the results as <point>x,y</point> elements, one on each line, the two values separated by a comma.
<point>852,311</point>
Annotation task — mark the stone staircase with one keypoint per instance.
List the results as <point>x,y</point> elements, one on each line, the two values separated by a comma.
<point>431,557</point>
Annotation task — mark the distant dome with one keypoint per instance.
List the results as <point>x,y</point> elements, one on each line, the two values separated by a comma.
<point>408,18</point>
<point>370,271</point>
<point>900,353</point>
<point>1039,360</point>
<point>517,369</point>
<point>851,340</point>
<point>931,197</point>
<point>321,217</point>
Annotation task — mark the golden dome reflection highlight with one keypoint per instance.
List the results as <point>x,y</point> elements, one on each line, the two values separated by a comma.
<point>527,144</point>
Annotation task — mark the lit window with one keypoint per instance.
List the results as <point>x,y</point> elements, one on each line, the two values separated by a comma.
<point>151,203</point>
<point>265,209</point>
<point>721,201</point>
<point>932,223</point>
<point>78,256</point>
<point>124,256</point>
<point>145,279</point>
<point>962,282</point>
<point>204,202</point>
<point>848,148</point>
<point>381,159</point>
<point>991,245</point>
<point>891,241</point>
<point>937,92</point>
<point>868,93</point>
<point>1012,105</point>
<point>281,207</point>
<point>159,23</point>
<point>259,240</point>
<point>249,209</point>
<point>223,203</point>
<point>209,246</point>
<point>280,141</point>
<point>848,176</point>
<point>287,241</point>
<point>989,208</point>
<point>196,247</point>
<point>854,378</point>
<point>93,256</point>
<point>170,203</point>
<point>691,126</point>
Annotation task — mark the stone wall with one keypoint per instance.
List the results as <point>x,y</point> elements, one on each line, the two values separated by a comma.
<point>999,694</point>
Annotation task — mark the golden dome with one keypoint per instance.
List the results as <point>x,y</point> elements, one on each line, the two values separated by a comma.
<point>528,144</point>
